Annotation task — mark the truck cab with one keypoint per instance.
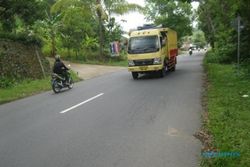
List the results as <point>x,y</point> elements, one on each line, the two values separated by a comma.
<point>152,50</point>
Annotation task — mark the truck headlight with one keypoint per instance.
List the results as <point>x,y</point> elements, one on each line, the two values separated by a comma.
<point>157,60</point>
<point>131,63</point>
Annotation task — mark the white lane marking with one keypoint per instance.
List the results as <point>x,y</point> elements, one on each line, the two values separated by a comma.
<point>77,105</point>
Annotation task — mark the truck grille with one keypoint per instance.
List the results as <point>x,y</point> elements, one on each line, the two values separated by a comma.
<point>144,62</point>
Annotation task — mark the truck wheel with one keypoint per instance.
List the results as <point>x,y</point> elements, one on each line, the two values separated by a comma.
<point>173,68</point>
<point>135,75</point>
<point>162,72</point>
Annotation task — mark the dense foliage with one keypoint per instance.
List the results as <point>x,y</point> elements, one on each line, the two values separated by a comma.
<point>218,21</point>
<point>228,110</point>
<point>75,29</point>
<point>80,28</point>
<point>66,27</point>
<point>24,11</point>
<point>171,13</point>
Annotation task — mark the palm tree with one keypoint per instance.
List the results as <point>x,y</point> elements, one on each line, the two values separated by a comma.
<point>103,8</point>
<point>100,13</point>
<point>119,7</point>
<point>52,24</point>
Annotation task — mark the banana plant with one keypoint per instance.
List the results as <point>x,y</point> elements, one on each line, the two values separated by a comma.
<point>106,8</point>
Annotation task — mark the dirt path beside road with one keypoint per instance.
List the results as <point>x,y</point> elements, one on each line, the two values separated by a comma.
<point>87,71</point>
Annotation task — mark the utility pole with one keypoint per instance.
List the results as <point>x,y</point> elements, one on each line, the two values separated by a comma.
<point>101,35</point>
<point>238,49</point>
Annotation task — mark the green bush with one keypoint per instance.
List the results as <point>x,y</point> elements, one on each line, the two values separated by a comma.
<point>246,67</point>
<point>6,82</point>
<point>211,57</point>
<point>223,55</point>
<point>22,37</point>
<point>75,76</point>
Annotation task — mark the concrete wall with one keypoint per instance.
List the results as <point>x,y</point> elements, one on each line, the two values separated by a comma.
<point>18,60</point>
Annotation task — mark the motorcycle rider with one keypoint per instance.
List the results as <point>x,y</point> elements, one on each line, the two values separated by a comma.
<point>190,51</point>
<point>60,69</point>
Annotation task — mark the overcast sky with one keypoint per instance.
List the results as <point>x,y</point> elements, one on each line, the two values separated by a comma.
<point>135,19</point>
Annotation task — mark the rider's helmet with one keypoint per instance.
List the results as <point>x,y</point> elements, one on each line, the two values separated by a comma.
<point>57,57</point>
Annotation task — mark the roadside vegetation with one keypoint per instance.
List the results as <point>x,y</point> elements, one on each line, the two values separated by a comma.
<point>23,88</point>
<point>228,101</point>
<point>81,31</point>
<point>14,90</point>
<point>122,61</point>
<point>227,116</point>
<point>78,30</point>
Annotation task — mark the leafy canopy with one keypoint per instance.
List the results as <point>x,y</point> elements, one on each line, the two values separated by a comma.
<point>171,13</point>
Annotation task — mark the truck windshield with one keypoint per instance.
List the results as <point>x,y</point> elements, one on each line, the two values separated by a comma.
<point>145,44</point>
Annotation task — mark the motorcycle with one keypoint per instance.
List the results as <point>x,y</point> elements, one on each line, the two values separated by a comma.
<point>190,52</point>
<point>59,82</point>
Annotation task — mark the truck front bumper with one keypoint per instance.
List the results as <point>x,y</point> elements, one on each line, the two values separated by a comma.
<point>145,68</point>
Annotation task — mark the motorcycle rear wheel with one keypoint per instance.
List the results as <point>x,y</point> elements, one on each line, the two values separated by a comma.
<point>56,88</point>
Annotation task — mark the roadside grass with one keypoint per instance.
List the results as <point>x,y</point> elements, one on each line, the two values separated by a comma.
<point>27,88</point>
<point>23,89</point>
<point>123,63</point>
<point>228,115</point>
<point>110,62</point>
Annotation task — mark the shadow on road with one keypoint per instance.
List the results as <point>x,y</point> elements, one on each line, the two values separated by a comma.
<point>152,75</point>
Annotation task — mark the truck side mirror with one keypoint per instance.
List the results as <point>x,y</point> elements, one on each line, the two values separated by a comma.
<point>163,42</point>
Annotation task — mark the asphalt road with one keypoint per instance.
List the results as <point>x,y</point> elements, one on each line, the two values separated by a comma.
<point>108,121</point>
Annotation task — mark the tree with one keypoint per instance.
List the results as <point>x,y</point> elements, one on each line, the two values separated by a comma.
<point>114,31</point>
<point>244,7</point>
<point>89,44</point>
<point>50,27</point>
<point>198,38</point>
<point>27,10</point>
<point>103,9</point>
<point>121,7</point>
<point>77,22</point>
<point>101,16</point>
<point>215,18</point>
<point>112,7</point>
<point>171,13</point>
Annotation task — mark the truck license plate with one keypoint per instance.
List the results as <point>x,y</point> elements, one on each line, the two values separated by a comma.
<point>143,68</point>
